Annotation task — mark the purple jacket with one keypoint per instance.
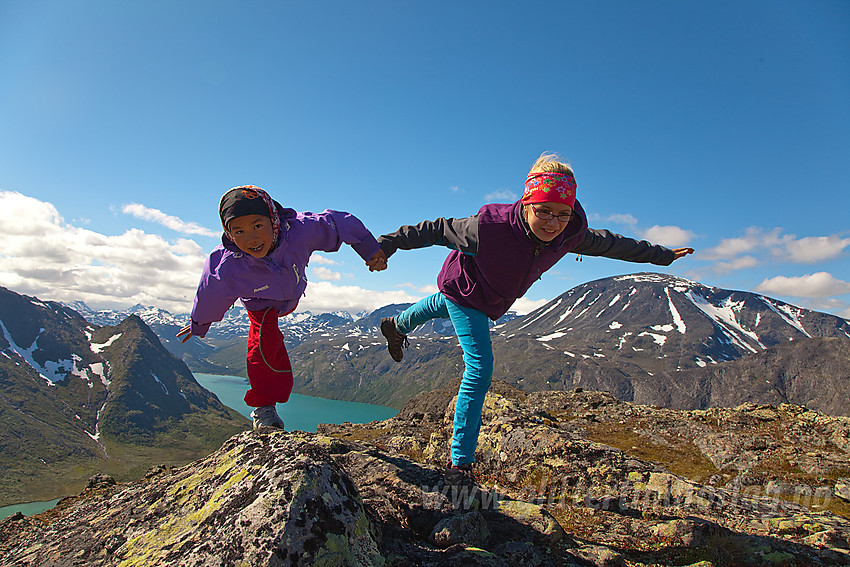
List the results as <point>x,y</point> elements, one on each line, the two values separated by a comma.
<point>496,257</point>
<point>276,280</point>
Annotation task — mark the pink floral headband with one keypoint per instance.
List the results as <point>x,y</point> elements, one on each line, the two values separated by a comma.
<point>550,188</point>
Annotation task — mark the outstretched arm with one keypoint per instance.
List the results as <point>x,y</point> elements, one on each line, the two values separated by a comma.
<point>610,245</point>
<point>457,234</point>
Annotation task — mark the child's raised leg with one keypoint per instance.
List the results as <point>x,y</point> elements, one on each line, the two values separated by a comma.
<point>431,307</point>
<point>395,329</point>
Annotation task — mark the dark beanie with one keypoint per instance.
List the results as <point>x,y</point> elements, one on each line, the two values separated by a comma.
<point>241,201</point>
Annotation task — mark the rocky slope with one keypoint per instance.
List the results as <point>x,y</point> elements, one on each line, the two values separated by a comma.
<point>568,478</point>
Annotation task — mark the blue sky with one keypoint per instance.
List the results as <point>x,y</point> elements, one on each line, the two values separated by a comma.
<point>724,126</point>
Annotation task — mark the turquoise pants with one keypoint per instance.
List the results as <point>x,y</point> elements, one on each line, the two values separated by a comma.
<point>473,332</point>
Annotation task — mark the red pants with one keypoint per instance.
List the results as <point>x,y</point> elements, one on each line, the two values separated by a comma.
<point>269,369</point>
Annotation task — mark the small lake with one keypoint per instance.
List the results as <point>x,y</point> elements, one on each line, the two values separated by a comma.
<point>27,508</point>
<point>300,412</point>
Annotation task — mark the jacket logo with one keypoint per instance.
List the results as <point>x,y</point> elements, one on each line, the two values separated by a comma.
<point>265,287</point>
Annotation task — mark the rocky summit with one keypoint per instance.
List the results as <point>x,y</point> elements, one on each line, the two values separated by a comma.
<point>564,478</point>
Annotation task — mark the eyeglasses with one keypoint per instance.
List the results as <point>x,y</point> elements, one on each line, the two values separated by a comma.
<point>546,215</point>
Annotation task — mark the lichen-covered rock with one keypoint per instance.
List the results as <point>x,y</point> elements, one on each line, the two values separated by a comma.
<point>262,499</point>
<point>565,478</point>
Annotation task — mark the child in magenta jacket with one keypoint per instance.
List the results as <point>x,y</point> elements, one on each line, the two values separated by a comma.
<point>261,261</point>
<point>496,256</point>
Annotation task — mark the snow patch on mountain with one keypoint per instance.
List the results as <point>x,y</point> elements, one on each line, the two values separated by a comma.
<point>789,314</point>
<point>568,311</point>
<point>543,313</point>
<point>659,339</point>
<point>725,317</point>
<point>547,338</point>
<point>677,319</point>
<point>98,369</point>
<point>50,371</point>
<point>98,347</point>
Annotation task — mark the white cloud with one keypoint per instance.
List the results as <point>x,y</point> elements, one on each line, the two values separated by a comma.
<point>734,264</point>
<point>322,260</point>
<point>501,196</point>
<point>670,236</point>
<point>325,274</point>
<point>168,221</point>
<point>829,305</point>
<point>758,246</point>
<point>818,285</point>
<point>322,297</point>
<point>619,218</point>
<point>45,256</point>
<point>753,239</point>
<point>812,249</point>
<point>424,290</point>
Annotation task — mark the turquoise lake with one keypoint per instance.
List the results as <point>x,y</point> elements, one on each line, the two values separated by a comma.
<point>300,412</point>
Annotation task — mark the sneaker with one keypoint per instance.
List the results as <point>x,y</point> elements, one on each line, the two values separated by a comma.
<point>460,475</point>
<point>395,340</point>
<point>266,416</point>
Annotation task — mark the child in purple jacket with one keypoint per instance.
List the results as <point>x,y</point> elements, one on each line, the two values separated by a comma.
<point>261,261</point>
<point>496,256</point>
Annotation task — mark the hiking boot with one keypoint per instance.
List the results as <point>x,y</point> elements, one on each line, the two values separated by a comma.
<point>395,340</point>
<point>460,475</point>
<point>266,416</point>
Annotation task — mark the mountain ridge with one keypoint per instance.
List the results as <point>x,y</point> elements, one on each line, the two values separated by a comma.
<point>630,335</point>
<point>76,398</point>
<point>636,335</point>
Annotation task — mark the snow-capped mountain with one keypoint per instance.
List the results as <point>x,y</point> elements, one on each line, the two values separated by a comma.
<point>235,323</point>
<point>297,327</point>
<point>648,338</point>
<point>646,317</point>
<point>150,315</point>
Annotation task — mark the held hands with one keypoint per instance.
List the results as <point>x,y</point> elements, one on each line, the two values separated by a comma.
<point>682,252</point>
<point>187,330</point>
<point>377,262</point>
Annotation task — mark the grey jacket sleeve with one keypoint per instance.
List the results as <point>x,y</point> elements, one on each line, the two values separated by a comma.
<point>610,245</point>
<point>457,234</point>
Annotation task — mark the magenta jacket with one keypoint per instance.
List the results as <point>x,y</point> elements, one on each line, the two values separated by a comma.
<point>276,280</point>
<point>495,257</point>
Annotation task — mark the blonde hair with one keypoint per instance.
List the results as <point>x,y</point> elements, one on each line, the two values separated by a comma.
<point>551,163</point>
